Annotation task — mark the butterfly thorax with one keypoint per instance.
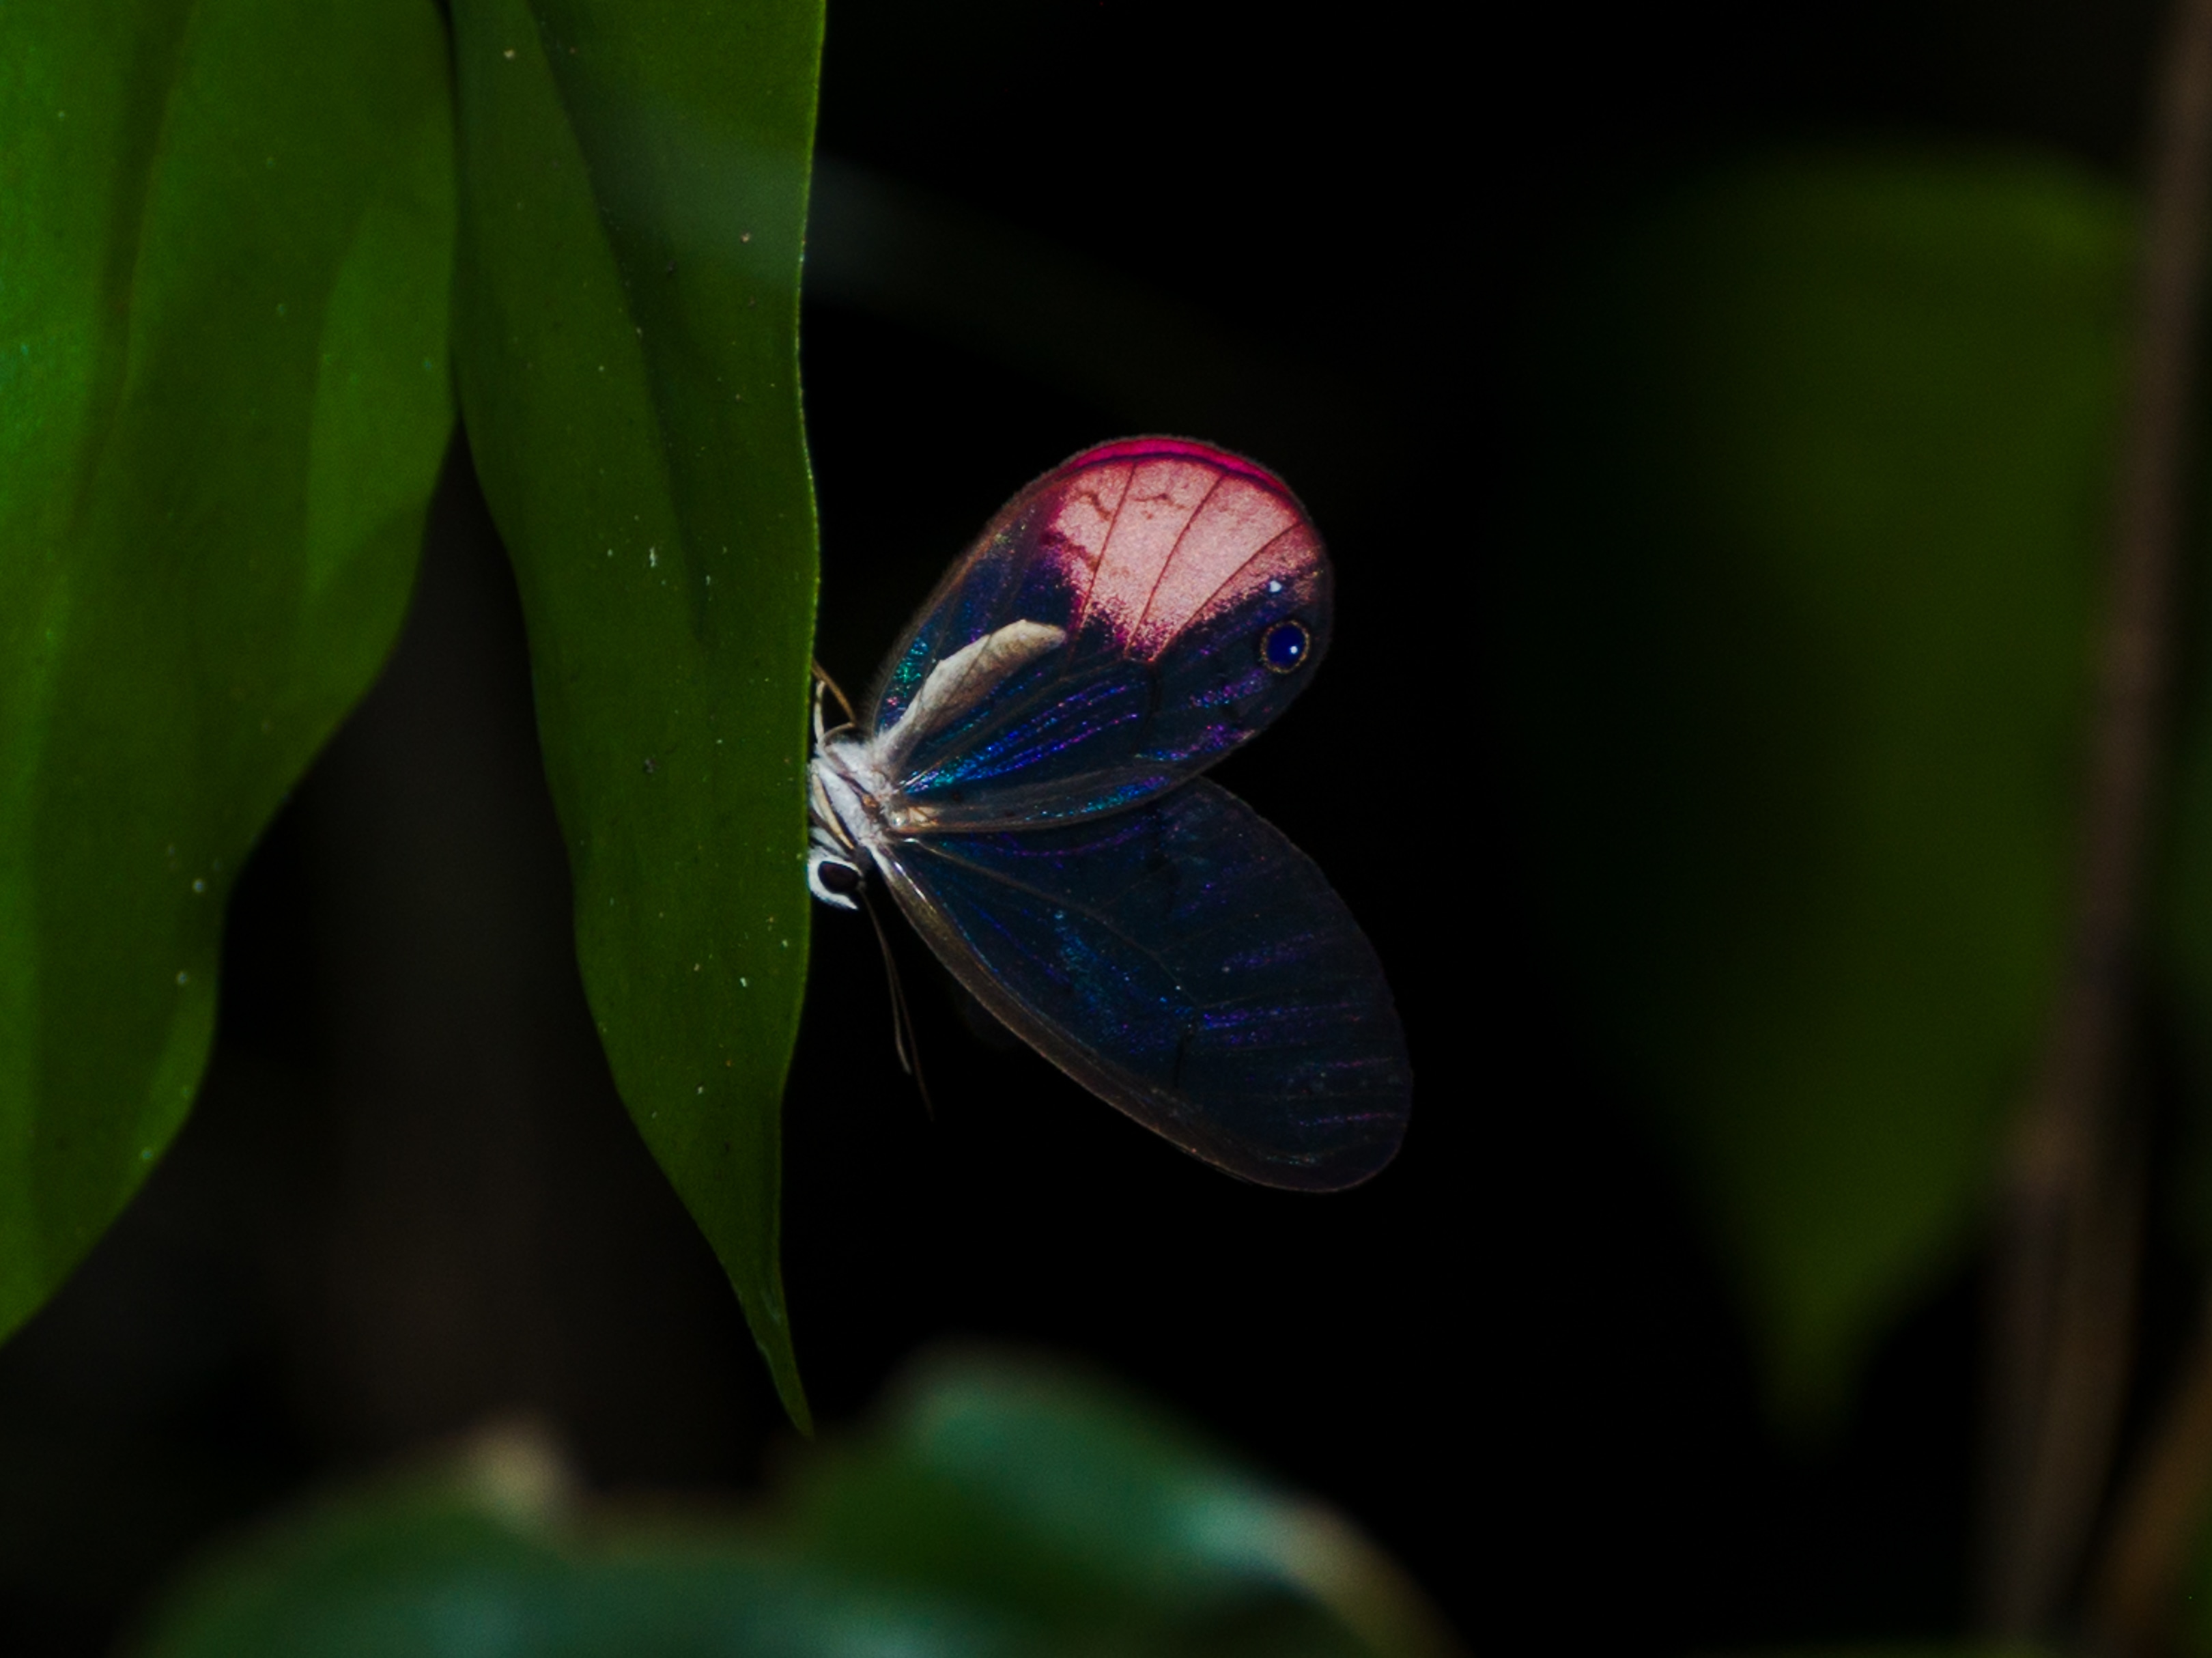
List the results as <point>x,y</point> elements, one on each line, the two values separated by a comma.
<point>853,796</point>
<point>846,796</point>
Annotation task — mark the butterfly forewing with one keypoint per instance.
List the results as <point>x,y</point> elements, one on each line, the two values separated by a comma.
<point>1192,594</point>
<point>1185,963</point>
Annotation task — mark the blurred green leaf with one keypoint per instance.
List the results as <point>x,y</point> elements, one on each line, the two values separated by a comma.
<point>226,241</point>
<point>469,1569</point>
<point>1902,1649</point>
<point>634,197</point>
<point>1004,1508</point>
<point>1798,666</point>
<point>1051,1493</point>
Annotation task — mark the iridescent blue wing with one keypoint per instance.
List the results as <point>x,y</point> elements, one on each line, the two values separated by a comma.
<point>1185,963</point>
<point>1167,599</point>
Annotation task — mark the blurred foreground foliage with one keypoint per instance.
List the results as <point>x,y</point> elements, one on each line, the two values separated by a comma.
<point>1906,1650</point>
<point>999,1508</point>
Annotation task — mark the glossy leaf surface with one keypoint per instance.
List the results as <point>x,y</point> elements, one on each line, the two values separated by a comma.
<point>634,197</point>
<point>1798,667</point>
<point>226,235</point>
<point>1000,1508</point>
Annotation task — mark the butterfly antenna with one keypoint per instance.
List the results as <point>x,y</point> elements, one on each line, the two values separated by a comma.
<point>823,682</point>
<point>909,1055</point>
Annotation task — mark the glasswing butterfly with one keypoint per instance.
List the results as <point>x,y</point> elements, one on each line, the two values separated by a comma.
<point>1024,778</point>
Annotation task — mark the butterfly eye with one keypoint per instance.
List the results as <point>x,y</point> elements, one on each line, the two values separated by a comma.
<point>831,878</point>
<point>1283,646</point>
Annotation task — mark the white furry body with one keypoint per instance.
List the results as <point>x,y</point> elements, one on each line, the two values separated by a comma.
<point>857,807</point>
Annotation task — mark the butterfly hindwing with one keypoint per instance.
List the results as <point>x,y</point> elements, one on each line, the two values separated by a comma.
<point>1185,963</point>
<point>1191,595</point>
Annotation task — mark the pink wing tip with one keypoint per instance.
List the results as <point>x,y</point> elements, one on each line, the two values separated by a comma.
<point>1163,528</point>
<point>1167,449</point>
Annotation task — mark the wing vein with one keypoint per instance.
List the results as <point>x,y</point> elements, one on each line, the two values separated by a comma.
<point>1258,553</point>
<point>1113,524</point>
<point>1056,900</point>
<point>1175,552</point>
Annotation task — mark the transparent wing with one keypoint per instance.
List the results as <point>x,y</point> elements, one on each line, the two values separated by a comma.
<point>1185,963</point>
<point>1169,567</point>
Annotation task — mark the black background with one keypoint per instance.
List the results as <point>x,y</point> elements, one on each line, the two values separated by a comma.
<point>409,1201</point>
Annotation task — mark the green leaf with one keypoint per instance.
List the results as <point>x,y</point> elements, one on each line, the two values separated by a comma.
<point>632,202</point>
<point>226,240</point>
<point>1903,1649</point>
<point>1057,1494</point>
<point>1799,664</point>
<point>478,1562</point>
<point>1004,1508</point>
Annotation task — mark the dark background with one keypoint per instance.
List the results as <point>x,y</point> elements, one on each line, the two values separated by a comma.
<point>409,1201</point>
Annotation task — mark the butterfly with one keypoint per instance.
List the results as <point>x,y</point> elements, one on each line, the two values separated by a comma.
<point>1025,781</point>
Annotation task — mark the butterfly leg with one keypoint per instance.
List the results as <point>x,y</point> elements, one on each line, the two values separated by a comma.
<point>909,1055</point>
